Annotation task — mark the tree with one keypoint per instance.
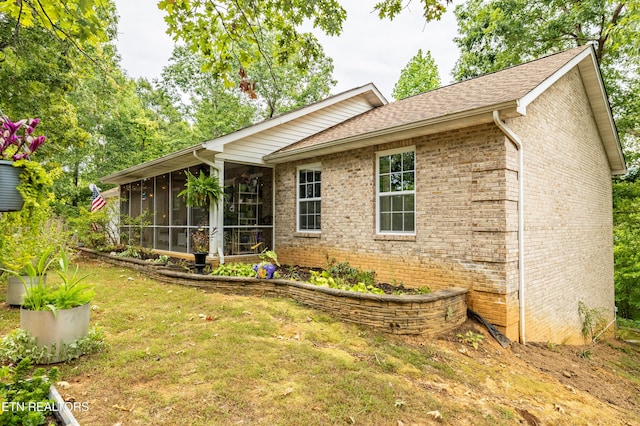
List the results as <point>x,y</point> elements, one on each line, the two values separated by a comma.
<point>495,34</point>
<point>213,108</point>
<point>231,32</point>
<point>418,76</point>
<point>282,87</point>
<point>626,237</point>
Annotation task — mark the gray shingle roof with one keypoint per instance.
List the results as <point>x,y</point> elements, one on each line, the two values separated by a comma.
<point>480,92</point>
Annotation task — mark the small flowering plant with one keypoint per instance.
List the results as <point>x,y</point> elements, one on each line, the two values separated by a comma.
<point>16,139</point>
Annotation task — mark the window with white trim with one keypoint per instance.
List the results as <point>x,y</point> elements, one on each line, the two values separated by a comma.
<point>396,189</point>
<point>309,198</point>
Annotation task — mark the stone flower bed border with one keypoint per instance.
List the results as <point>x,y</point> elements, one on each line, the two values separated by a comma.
<point>426,315</point>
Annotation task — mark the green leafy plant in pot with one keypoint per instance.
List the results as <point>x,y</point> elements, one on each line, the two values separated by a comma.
<point>57,315</point>
<point>202,191</point>
<point>28,275</point>
<point>24,243</point>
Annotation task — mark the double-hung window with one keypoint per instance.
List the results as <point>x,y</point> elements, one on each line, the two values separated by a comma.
<point>309,198</point>
<point>396,191</point>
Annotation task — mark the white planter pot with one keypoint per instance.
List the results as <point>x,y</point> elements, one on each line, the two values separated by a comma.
<point>15,289</point>
<point>65,328</point>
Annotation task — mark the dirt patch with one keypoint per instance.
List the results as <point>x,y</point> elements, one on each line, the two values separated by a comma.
<point>607,370</point>
<point>595,369</point>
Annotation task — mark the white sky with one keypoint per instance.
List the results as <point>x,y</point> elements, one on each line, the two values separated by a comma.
<point>369,50</point>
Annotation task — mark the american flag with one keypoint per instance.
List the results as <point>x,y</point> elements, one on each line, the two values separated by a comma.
<point>97,202</point>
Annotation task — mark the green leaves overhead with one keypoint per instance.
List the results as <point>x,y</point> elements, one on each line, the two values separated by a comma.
<point>495,34</point>
<point>228,32</point>
<point>233,31</point>
<point>431,9</point>
<point>75,20</point>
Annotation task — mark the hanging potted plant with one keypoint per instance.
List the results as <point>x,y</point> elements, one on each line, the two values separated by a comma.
<point>16,143</point>
<point>202,191</point>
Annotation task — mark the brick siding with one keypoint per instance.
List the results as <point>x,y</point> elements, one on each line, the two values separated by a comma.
<point>467,216</point>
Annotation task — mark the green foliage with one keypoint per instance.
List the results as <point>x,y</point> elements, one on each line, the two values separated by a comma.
<point>325,279</point>
<point>95,229</point>
<point>350,274</point>
<point>26,233</point>
<point>202,191</point>
<point>269,256</point>
<point>78,20</point>
<point>19,345</point>
<point>471,338</point>
<point>21,389</point>
<point>130,251</point>
<point>593,320</point>
<point>431,9</point>
<point>230,32</point>
<point>500,33</point>
<point>418,76</point>
<point>70,293</point>
<point>234,270</point>
<point>626,240</point>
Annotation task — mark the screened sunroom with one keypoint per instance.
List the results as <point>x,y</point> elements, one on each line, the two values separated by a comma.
<point>154,216</point>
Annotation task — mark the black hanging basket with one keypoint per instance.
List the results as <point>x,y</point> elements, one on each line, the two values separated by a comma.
<point>10,198</point>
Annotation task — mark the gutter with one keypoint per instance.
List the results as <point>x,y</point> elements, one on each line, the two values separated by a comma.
<point>513,137</point>
<point>212,216</point>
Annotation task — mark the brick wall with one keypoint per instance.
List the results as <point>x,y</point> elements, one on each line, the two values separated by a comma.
<point>467,216</point>
<point>568,225</point>
<point>466,219</point>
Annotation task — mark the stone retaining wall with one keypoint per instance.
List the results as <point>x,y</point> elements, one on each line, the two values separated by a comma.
<point>418,315</point>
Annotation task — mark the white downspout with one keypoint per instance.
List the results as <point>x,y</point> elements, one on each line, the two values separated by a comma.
<point>521,288</point>
<point>213,217</point>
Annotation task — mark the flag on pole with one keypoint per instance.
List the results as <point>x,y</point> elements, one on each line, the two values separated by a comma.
<point>97,202</point>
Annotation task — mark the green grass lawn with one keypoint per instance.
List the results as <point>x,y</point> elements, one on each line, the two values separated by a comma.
<point>178,355</point>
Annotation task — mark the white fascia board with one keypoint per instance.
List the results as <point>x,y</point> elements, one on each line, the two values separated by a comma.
<point>542,87</point>
<point>375,98</point>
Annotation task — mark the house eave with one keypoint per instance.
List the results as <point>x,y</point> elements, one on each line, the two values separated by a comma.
<point>169,163</point>
<point>420,128</point>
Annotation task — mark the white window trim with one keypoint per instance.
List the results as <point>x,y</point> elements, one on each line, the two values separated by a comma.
<point>379,154</point>
<point>314,167</point>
